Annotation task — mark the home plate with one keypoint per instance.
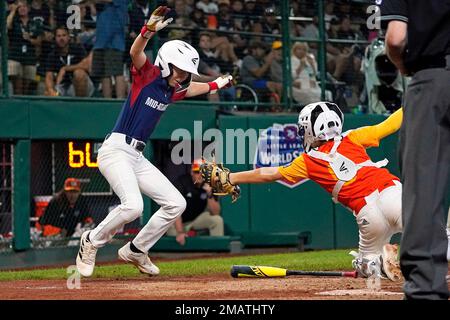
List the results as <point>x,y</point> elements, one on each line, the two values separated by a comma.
<point>358,292</point>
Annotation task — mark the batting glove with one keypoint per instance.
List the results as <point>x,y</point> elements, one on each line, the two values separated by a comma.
<point>220,83</point>
<point>156,22</point>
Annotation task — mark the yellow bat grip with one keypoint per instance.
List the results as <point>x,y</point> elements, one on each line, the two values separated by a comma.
<point>240,271</point>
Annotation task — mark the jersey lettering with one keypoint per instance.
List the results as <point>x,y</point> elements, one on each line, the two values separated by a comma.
<point>155,104</point>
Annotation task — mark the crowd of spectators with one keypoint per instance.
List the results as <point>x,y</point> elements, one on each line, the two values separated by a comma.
<point>47,58</point>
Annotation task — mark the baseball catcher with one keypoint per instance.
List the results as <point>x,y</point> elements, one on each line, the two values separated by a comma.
<point>339,163</point>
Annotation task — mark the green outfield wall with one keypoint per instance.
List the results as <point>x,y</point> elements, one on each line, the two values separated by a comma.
<point>262,209</point>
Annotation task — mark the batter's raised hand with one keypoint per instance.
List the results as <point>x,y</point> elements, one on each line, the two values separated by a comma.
<point>156,21</point>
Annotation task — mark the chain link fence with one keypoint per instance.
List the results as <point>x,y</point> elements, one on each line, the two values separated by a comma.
<point>69,194</point>
<point>51,51</point>
<point>6,193</point>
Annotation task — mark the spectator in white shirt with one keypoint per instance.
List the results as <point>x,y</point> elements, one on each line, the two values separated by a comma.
<point>305,89</point>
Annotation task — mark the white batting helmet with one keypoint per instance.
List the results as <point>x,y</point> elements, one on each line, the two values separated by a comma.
<point>319,121</point>
<point>177,53</point>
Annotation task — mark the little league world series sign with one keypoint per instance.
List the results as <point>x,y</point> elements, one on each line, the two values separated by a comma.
<point>277,146</point>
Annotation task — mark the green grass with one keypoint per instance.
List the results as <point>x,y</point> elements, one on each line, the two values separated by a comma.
<point>313,260</point>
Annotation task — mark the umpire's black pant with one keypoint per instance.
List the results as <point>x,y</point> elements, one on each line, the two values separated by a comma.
<point>425,162</point>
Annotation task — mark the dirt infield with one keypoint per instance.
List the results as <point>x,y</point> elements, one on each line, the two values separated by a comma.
<point>211,287</point>
<point>219,286</point>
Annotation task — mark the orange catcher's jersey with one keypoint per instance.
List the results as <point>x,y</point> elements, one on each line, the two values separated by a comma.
<point>353,146</point>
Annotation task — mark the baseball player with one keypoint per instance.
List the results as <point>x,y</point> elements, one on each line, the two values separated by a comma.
<point>339,163</point>
<point>120,158</point>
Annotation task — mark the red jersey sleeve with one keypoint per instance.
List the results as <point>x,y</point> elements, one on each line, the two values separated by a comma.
<point>145,74</point>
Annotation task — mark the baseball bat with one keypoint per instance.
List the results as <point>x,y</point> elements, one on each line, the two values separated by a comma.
<point>241,271</point>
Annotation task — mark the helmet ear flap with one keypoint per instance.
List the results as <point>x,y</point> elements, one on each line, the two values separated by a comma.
<point>300,130</point>
<point>301,134</point>
<point>170,66</point>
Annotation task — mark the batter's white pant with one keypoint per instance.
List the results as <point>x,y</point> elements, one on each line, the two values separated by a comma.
<point>379,220</point>
<point>129,173</point>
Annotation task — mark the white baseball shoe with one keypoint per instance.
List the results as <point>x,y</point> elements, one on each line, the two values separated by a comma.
<point>390,263</point>
<point>86,256</point>
<point>140,260</point>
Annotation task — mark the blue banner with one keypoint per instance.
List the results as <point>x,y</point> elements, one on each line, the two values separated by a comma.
<point>278,146</point>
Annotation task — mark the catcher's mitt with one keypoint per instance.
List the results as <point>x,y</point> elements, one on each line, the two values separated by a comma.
<point>218,178</point>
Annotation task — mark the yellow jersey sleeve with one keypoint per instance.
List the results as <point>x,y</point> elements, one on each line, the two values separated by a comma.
<point>370,136</point>
<point>294,171</point>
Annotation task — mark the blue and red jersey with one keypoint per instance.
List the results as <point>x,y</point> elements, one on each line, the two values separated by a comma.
<point>149,97</point>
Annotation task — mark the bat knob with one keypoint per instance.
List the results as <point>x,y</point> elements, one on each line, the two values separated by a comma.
<point>351,274</point>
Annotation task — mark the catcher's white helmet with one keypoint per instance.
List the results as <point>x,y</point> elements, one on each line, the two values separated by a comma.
<point>319,121</point>
<point>177,53</point>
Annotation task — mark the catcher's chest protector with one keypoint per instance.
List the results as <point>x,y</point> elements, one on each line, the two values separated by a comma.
<point>344,168</point>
